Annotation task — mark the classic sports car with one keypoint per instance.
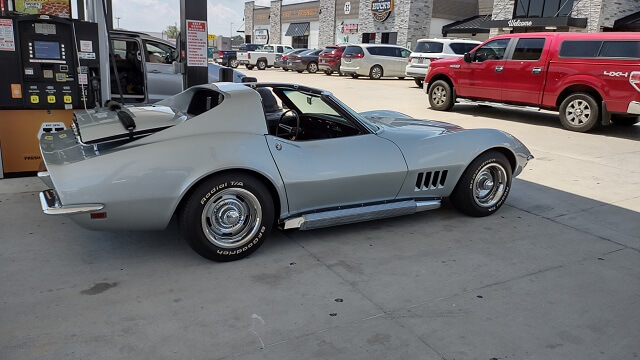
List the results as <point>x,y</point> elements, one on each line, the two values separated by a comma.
<point>233,160</point>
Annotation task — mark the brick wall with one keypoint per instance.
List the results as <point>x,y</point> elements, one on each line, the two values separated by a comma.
<point>248,18</point>
<point>275,34</point>
<point>327,21</point>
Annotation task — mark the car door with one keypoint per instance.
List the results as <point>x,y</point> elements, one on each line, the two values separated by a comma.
<point>161,81</point>
<point>485,71</point>
<point>526,69</point>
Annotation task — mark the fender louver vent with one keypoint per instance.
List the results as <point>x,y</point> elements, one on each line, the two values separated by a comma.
<point>431,180</point>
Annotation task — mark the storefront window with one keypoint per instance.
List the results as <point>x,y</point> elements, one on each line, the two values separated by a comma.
<point>300,42</point>
<point>542,8</point>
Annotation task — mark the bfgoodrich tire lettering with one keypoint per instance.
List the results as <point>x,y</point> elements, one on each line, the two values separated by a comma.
<point>227,217</point>
<point>484,185</point>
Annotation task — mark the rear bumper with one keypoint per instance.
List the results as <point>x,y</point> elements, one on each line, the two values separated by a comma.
<point>634,108</point>
<point>351,70</point>
<point>51,205</point>
<point>416,72</point>
<point>329,65</point>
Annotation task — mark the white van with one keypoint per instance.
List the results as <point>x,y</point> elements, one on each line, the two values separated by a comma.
<point>374,60</point>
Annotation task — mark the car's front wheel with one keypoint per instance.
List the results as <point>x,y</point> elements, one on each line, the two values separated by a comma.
<point>312,68</point>
<point>484,185</point>
<point>441,96</point>
<point>580,112</point>
<point>227,217</point>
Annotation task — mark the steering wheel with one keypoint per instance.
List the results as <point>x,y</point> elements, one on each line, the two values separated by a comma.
<point>292,131</point>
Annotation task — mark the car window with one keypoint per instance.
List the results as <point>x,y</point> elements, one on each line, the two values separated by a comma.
<point>267,48</point>
<point>431,47</point>
<point>405,53</point>
<point>288,48</point>
<point>158,53</point>
<point>620,49</point>
<point>580,49</point>
<point>306,52</point>
<point>528,49</point>
<point>352,50</point>
<point>280,49</point>
<point>493,50</point>
<point>462,48</point>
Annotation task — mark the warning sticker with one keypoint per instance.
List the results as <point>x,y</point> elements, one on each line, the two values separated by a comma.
<point>86,46</point>
<point>7,42</point>
<point>196,43</point>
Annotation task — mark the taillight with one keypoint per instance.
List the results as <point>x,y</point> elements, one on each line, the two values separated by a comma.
<point>221,54</point>
<point>358,55</point>
<point>410,58</point>
<point>248,55</point>
<point>285,57</point>
<point>634,79</point>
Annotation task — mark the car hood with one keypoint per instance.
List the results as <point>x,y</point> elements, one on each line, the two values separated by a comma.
<point>447,61</point>
<point>394,124</point>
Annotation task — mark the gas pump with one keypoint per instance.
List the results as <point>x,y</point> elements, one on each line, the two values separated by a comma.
<point>50,67</point>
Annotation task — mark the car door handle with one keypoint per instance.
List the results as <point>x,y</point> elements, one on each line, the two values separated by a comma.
<point>155,71</point>
<point>499,68</point>
<point>537,70</point>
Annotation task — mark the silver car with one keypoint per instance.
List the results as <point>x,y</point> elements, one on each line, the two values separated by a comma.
<point>374,60</point>
<point>231,161</point>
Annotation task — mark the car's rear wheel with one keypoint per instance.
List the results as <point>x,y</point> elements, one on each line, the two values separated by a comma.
<point>355,76</point>
<point>580,112</point>
<point>233,63</point>
<point>622,120</point>
<point>249,67</point>
<point>285,69</point>
<point>375,73</point>
<point>312,68</point>
<point>300,71</point>
<point>227,217</point>
<point>261,64</point>
<point>419,82</point>
<point>440,96</point>
<point>484,185</point>
<point>328,72</point>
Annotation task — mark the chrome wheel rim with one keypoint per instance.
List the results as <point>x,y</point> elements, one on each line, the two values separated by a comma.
<point>376,72</point>
<point>262,65</point>
<point>439,95</point>
<point>231,218</point>
<point>489,185</point>
<point>578,112</point>
<point>313,68</point>
<point>233,63</point>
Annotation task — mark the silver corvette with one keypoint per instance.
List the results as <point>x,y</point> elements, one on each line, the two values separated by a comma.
<point>233,160</point>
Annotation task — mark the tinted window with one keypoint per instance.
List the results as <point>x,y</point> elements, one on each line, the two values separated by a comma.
<point>428,47</point>
<point>542,8</point>
<point>580,49</point>
<point>405,53</point>
<point>620,49</point>
<point>461,48</point>
<point>328,49</point>
<point>280,49</point>
<point>352,50</point>
<point>376,50</point>
<point>528,49</point>
<point>493,50</point>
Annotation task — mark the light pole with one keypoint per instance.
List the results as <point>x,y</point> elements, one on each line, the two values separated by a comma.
<point>230,31</point>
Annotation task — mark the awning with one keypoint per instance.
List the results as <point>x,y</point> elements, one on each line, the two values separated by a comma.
<point>628,23</point>
<point>298,29</point>
<point>472,25</point>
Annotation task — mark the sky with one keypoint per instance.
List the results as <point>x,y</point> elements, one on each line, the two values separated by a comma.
<point>156,15</point>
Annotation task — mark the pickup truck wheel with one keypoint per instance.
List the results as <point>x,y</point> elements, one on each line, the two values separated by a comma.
<point>440,96</point>
<point>580,112</point>
<point>261,64</point>
<point>249,67</point>
<point>227,217</point>
<point>622,120</point>
<point>233,63</point>
<point>375,73</point>
<point>312,68</point>
<point>484,185</point>
<point>419,82</point>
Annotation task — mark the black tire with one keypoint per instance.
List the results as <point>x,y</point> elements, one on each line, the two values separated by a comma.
<point>328,72</point>
<point>312,67</point>
<point>249,67</point>
<point>355,76</point>
<point>261,64</point>
<point>233,63</point>
<point>464,196</point>
<point>401,77</point>
<point>285,69</point>
<point>441,96</point>
<point>419,82</point>
<point>300,71</point>
<point>376,72</point>
<point>239,192</point>
<point>573,109</point>
<point>623,120</point>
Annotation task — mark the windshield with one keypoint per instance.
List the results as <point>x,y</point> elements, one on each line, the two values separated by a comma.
<point>309,103</point>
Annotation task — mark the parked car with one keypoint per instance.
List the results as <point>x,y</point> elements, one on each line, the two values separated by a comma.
<point>263,57</point>
<point>229,57</point>
<point>330,59</point>
<point>591,79</point>
<point>147,76</point>
<point>281,62</point>
<point>428,50</point>
<point>220,156</point>
<point>374,60</point>
<point>306,60</point>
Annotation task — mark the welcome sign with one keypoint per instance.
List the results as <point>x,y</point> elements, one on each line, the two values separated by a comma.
<point>381,9</point>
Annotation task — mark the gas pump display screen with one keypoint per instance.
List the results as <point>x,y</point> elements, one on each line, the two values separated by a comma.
<point>46,50</point>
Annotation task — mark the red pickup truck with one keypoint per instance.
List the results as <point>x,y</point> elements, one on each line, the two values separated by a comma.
<point>590,79</point>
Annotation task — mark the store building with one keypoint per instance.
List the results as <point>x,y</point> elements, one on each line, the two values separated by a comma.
<point>510,16</point>
<point>321,23</point>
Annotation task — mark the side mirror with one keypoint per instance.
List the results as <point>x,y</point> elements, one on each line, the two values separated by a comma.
<point>468,57</point>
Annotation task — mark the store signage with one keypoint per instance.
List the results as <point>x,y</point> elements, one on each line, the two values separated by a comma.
<point>60,8</point>
<point>381,9</point>
<point>348,28</point>
<point>519,23</point>
<point>196,43</point>
<point>303,13</point>
<point>347,8</point>
<point>261,36</point>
